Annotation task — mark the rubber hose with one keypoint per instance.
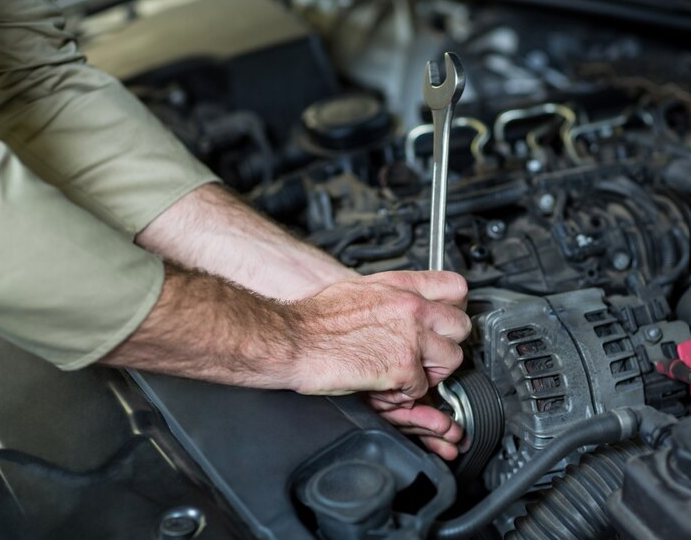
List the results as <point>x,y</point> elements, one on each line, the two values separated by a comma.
<point>366,252</point>
<point>609,427</point>
<point>627,189</point>
<point>284,197</point>
<point>575,507</point>
<point>336,240</point>
<point>460,204</point>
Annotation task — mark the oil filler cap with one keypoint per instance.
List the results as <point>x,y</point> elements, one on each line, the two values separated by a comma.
<point>344,123</point>
<point>350,498</point>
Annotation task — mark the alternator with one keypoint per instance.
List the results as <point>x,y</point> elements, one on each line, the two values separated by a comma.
<point>550,362</point>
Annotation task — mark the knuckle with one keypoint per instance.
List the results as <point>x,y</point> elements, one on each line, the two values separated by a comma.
<point>405,357</point>
<point>411,305</point>
<point>396,279</point>
<point>462,285</point>
<point>420,388</point>
<point>410,356</point>
<point>441,424</point>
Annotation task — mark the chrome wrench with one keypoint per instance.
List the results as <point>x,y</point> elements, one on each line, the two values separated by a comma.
<point>441,98</point>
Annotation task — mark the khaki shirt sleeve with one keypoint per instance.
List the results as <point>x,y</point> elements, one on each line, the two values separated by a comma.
<point>71,288</point>
<point>79,129</point>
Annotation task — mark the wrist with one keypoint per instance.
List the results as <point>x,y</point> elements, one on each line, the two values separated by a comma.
<point>278,346</point>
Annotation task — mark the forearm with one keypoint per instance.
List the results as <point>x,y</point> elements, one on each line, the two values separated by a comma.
<point>205,328</point>
<point>379,333</point>
<point>212,230</point>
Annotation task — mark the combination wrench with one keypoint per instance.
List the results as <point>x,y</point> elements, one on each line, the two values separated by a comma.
<point>441,98</point>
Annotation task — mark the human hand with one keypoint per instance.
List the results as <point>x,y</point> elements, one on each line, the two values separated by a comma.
<point>395,334</point>
<point>437,430</point>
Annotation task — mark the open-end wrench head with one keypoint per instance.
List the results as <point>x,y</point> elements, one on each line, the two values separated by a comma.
<point>439,95</point>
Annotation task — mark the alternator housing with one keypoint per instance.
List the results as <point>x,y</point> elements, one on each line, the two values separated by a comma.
<point>562,358</point>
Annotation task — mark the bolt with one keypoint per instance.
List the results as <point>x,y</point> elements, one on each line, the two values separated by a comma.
<point>546,203</point>
<point>653,334</point>
<point>496,229</point>
<point>178,527</point>
<point>534,166</point>
<point>621,260</point>
<point>180,523</point>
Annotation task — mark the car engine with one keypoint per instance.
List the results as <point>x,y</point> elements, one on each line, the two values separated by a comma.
<point>569,215</point>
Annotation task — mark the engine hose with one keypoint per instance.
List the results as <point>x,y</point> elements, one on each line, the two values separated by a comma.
<point>460,204</point>
<point>610,427</point>
<point>625,188</point>
<point>575,506</point>
<point>356,253</point>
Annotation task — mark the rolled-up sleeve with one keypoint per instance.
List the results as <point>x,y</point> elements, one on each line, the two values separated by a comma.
<point>80,130</point>
<point>71,288</point>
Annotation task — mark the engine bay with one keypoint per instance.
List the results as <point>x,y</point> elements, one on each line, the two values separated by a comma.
<point>569,215</point>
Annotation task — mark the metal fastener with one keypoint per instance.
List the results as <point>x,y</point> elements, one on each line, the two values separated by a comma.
<point>621,260</point>
<point>496,229</point>
<point>653,334</point>
<point>546,203</point>
<point>181,523</point>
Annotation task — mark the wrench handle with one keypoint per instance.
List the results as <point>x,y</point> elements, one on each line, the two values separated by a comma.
<point>441,119</point>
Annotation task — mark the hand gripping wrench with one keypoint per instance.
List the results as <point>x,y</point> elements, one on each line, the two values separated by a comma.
<point>441,98</point>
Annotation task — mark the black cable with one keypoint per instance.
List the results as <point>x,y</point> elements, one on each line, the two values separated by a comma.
<point>461,204</point>
<point>626,189</point>
<point>357,253</point>
<point>609,427</point>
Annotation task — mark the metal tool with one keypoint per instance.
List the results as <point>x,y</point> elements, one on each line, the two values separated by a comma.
<point>441,98</point>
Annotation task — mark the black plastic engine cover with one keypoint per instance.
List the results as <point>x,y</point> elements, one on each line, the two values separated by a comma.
<point>253,444</point>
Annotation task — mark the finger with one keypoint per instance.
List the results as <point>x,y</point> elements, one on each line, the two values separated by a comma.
<point>441,356</point>
<point>389,399</point>
<point>416,386</point>
<point>438,285</point>
<point>447,321</point>
<point>442,448</point>
<point>422,432</point>
<point>424,420</point>
<point>419,432</point>
<point>405,383</point>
